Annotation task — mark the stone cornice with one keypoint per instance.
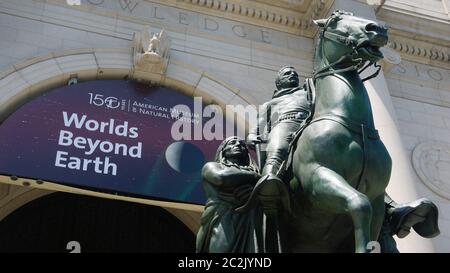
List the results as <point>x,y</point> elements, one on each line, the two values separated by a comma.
<point>420,50</point>
<point>297,20</point>
<point>415,9</point>
<point>434,28</point>
<point>418,38</point>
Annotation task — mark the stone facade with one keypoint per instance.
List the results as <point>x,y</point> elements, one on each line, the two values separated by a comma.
<point>228,51</point>
<point>420,90</point>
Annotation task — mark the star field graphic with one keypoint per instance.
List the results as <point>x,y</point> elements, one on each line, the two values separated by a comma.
<point>167,169</point>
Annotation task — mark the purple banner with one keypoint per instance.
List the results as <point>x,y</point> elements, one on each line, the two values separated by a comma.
<point>110,136</point>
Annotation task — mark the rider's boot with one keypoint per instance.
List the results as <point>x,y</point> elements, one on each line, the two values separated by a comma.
<point>268,191</point>
<point>271,171</point>
<point>421,215</point>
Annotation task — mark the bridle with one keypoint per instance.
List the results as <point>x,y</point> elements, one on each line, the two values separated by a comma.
<point>347,41</point>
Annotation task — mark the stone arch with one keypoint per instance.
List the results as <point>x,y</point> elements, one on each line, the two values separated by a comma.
<point>28,79</point>
<point>21,82</point>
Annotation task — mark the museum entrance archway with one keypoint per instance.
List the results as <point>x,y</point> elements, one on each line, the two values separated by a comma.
<point>49,223</point>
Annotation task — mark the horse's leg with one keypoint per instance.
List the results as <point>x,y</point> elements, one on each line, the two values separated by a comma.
<point>378,217</point>
<point>331,192</point>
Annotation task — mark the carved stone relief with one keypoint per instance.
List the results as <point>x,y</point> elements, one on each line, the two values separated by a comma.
<point>150,51</point>
<point>431,161</point>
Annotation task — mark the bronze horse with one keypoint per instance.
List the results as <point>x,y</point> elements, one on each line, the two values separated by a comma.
<point>340,166</point>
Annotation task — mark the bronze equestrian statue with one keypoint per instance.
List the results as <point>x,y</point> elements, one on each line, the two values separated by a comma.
<point>291,100</point>
<point>330,196</point>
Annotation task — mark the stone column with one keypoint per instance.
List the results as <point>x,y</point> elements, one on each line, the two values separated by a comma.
<point>401,186</point>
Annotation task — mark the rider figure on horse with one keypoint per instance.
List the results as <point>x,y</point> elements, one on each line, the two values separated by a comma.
<point>283,115</point>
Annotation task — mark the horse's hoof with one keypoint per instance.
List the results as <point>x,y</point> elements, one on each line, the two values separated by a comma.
<point>428,228</point>
<point>421,215</point>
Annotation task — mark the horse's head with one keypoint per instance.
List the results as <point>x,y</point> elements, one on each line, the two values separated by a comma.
<point>343,34</point>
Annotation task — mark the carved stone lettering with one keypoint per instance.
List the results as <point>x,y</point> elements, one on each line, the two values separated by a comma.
<point>129,5</point>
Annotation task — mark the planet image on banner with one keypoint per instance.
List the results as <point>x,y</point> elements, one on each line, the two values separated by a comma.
<point>184,157</point>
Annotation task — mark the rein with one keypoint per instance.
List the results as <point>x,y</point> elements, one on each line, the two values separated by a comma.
<point>329,70</point>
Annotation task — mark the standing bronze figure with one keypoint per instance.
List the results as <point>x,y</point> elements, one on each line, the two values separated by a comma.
<point>228,182</point>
